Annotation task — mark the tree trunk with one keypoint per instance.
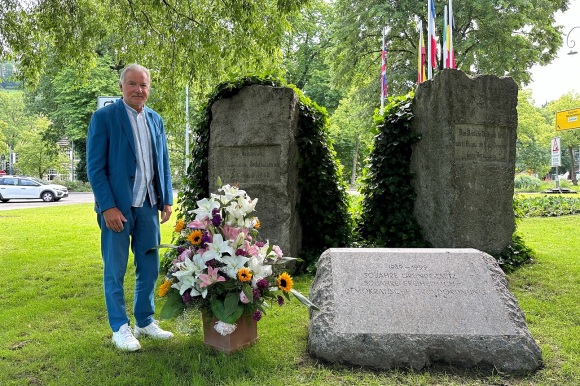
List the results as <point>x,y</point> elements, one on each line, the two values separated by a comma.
<point>573,166</point>
<point>354,161</point>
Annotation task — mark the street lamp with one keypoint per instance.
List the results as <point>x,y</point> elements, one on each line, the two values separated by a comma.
<point>571,43</point>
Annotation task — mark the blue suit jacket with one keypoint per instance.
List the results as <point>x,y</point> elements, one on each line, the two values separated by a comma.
<point>111,161</point>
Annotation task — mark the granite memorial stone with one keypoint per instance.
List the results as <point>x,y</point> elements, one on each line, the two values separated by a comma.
<point>412,308</point>
<point>252,145</point>
<point>465,161</point>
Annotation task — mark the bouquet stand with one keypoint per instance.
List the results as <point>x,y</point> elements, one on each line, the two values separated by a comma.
<point>245,335</point>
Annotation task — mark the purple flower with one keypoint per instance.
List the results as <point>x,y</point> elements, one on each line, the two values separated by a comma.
<point>257,315</point>
<point>205,238</point>
<point>260,244</point>
<point>256,293</point>
<point>217,218</point>
<point>262,284</point>
<point>180,250</point>
<point>186,297</point>
<point>280,300</point>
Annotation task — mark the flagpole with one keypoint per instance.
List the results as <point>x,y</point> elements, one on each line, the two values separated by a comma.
<point>444,52</point>
<point>429,49</point>
<point>420,54</point>
<point>383,68</point>
<point>451,53</point>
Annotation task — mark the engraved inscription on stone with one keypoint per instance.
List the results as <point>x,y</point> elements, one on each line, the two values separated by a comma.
<point>481,143</point>
<point>250,164</point>
<point>417,294</point>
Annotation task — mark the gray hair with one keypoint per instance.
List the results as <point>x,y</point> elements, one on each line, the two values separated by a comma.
<point>134,67</point>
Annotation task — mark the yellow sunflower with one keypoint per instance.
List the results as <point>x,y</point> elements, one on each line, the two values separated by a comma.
<point>195,237</point>
<point>164,288</point>
<point>285,282</point>
<point>179,226</point>
<point>244,275</point>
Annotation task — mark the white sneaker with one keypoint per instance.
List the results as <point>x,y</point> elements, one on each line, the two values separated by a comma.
<point>153,330</point>
<point>125,340</point>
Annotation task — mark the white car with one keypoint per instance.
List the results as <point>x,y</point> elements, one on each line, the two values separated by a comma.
<point>19,187</point>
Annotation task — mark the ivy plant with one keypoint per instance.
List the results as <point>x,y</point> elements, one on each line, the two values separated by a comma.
<point>387,208</point>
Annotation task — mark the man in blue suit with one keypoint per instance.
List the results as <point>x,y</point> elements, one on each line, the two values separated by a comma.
<point>128,168</point>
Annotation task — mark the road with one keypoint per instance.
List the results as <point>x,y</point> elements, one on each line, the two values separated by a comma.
<point>73,198</point>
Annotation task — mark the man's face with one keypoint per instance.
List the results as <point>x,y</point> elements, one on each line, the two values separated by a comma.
<point>135,89</point>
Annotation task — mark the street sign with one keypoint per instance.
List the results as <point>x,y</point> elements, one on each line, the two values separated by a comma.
<point>568,119</point>
<point>102,101</point>
<point>556,153</point>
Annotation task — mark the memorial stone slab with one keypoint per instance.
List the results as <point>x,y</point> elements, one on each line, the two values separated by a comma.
<point>464,164</point>
<point>413,308</point>
<point>252,145</point>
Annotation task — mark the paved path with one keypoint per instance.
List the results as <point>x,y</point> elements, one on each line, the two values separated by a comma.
<point>73,198</point>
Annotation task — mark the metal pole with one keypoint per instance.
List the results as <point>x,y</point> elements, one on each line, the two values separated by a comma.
<point>10,159</point>
<point>186,127</point>
<point>72,161</point>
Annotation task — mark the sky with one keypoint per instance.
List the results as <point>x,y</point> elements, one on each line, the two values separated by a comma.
<point>563,74</point>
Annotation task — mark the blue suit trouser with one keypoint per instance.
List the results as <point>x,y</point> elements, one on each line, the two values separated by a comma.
<point>140,233</point>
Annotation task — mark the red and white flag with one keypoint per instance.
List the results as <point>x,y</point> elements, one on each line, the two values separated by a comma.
<point>384,89</point>
<point>432,51</point>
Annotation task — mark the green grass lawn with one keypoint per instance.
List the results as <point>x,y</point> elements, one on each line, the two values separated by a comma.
<point>54,331</point>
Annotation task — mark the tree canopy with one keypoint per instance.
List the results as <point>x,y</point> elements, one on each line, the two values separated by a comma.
<point>504,38</point>
<point>199,42</point>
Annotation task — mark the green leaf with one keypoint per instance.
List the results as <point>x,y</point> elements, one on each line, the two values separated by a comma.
<point>173,306</point>
<point>231,303</point>
<point>160,246</point>
<point>229,310</point>
<point>304,300</point>
<point>248,292</point>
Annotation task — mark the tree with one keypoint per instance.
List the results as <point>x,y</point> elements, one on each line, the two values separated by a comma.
<point>195,42</point>
<point>504,38</point>
<point>570,139</point>
<point>13,117</point>
<point>35,156</point>
<point>534,133</point>
<point>350,129</point>
<point>306,62</point>
<point>69,100</point>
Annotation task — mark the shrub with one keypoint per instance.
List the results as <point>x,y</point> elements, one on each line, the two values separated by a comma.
<point>525,182</point>
<point>74,186</point>
<point>546,205</point>
<point>386,219</point>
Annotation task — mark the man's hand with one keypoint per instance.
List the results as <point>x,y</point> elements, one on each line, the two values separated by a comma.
<point>114,219</point>
<point>166,214</point>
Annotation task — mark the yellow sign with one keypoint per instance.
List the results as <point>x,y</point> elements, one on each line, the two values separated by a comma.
<point>568,119</point>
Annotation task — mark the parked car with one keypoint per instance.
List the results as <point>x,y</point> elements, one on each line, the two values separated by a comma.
<point>19,187</point>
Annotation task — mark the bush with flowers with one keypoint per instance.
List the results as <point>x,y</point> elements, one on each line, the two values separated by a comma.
<point>221,266</point>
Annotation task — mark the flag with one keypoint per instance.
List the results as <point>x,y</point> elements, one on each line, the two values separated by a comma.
<point>450,25</point>
<point>421,76</point>
<point>445,42</point>
<point>384,89</point>
<point>432,48</point>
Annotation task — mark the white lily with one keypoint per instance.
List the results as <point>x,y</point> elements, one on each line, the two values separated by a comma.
<point>205,208</point>
<point>233,264</point>
<point>186,276</point>
<point>217,248</point>
<point>258,269</point>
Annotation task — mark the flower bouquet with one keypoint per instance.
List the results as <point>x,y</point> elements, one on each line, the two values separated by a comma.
<point>221,266</point>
